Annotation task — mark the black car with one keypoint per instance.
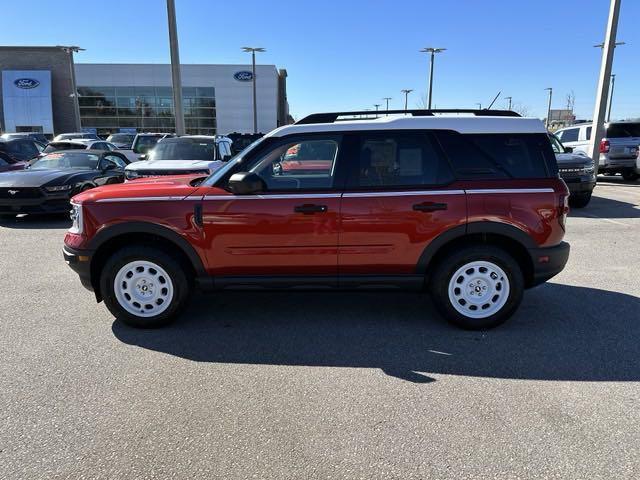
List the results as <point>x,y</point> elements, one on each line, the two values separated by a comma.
<point>49,182</point>
<point>21,149</point>
<point>577,171</point>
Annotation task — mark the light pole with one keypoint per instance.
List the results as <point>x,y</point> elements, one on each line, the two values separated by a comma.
<point>387,99</point>
<point>74,89</point>
<point>432,51</point>
<point>406,92</point>
<point>253,51</point>
<point>613,84</point>
<point>377,105</point>
<point>608,47</point>
<point>176,78</point>
<point>509,98</point>
<point>548,122</point>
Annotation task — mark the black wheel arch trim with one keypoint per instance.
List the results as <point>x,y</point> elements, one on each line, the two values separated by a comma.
<point>166,233</point>
<point>497,228</point>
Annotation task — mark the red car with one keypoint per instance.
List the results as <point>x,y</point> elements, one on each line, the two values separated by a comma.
<point>469,208</point>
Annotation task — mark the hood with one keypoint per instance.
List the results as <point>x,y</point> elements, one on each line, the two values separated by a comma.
<point>156,165</point>
<point>178,187</point>
<point>38,178</point>
<point>576,158</point>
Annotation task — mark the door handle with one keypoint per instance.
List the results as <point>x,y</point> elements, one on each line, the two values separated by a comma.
<point>310,208</point>
<point>429,206</point>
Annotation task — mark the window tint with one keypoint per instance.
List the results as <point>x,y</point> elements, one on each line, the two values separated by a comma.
<point>3,162</point>
<point>518,155</point>
<point>469,162</point>
<point>299,165</point>
<point>621,130</point>
<point>570,135</point>
<point>588,133</point>
<point>116,160</point>
<point>398,159</point>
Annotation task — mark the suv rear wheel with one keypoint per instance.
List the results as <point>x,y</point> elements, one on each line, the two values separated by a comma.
<point>143,286</point>
<point>477,287</point>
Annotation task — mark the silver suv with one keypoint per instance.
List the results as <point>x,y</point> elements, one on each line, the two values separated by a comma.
<point>618,148</point>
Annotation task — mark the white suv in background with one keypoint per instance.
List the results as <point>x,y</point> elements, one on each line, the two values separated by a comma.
<point>190,154</point>
<point>618,148</point>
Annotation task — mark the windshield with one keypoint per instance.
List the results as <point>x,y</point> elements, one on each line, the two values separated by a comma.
<point>222,171</point>
<point>622,130</point>
<point>184,150</point>
<point>145,143</point>
<point>67,160</point>
<point>555,144</point>
<point>121,138</point>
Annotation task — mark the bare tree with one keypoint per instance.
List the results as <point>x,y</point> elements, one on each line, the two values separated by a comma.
<point>520,109</point>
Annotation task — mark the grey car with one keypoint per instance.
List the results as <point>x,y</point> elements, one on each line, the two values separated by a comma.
<point>577,171</point>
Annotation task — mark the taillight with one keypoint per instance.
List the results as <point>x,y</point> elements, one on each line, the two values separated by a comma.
<point>604,146</point>
<point>563,209</point>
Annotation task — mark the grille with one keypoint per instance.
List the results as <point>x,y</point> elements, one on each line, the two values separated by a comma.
<point>20,192</point>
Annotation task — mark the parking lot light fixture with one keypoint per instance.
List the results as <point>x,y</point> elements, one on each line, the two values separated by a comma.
<point>377,105</point>
<point>70,50</point>
<point>406,92</point>
<point>479,106</point>
<point>509,98</point>
<point>253,51</point>
<point>176,75</point>
<point>432,51</point>
<point>548,121</point>
<point>387,100</point>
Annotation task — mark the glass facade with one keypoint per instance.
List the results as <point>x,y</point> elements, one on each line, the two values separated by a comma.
<point>147,109</point>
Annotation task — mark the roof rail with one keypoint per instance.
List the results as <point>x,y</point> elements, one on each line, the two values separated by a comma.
<point>333,116</point>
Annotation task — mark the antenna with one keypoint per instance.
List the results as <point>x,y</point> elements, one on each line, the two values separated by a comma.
<point>494,100</point>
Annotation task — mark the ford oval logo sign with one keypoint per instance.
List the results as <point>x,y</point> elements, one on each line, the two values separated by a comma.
<point>26,83</point>
<point>243,76</point>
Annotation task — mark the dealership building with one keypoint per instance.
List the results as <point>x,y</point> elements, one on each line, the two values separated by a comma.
<point>37,94</point>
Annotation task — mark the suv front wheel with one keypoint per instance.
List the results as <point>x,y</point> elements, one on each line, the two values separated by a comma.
<point>143,286</point>
<point>477,287</point>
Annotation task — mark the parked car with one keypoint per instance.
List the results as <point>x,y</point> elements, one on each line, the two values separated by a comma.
<point>618,148</point>
<point>76,136</point>
<point>144,142</point>
<point>79,144</point>
<point>468,208</point>
<point>182,155</point>
<point>7,163</point>
<point>240,141</point>
<point>577,171</point>
<point>48,184</point>
<point>37,136</point>
<point>122,140</point>
<point>21,149</point>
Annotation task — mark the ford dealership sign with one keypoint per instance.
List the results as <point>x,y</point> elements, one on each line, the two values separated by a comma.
<point>243,76</point>
<point>26,83</point>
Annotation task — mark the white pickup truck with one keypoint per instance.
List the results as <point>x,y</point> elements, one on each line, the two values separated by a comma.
<point>618,148</point>
<point>182,155</point>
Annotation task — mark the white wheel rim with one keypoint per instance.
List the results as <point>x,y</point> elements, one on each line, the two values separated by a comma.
<point>143,288</point>
<point>479,289</point>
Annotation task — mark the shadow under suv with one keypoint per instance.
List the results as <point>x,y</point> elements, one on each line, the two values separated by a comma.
<point>466,205</point>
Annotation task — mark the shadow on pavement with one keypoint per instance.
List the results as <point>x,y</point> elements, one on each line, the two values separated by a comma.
<point>38,222</point>
<point>561,332</point>
<point>606,208</point>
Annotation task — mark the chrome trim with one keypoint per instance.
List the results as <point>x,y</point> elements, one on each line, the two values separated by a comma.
<point>272,197</point>
<point>511,190</point>
<point>139,199</point>
<point>403,194</point>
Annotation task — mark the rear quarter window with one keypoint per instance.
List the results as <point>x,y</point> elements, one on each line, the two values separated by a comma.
<point>493,156</point>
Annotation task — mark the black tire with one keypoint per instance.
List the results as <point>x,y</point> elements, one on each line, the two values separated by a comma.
<point>447,267</point>
<point>174,269</point>
<point>630,176</point>
<point>579,200</point>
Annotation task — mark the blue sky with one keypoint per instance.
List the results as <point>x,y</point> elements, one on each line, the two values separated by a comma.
<point>349,54</point>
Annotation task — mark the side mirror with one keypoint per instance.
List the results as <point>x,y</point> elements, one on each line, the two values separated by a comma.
<point>109,166</point>
<point>143,157</point>
<point>568,149</point>
<point>246,183</point>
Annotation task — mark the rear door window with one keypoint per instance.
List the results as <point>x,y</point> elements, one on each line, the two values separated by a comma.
<point>570,135</point>
<point>398,159</point>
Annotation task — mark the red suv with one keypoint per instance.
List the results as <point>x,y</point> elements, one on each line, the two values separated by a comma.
<point>467,205</point>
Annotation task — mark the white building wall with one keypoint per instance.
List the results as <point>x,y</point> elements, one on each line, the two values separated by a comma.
<point>234,99</point>
<point>27,107</point>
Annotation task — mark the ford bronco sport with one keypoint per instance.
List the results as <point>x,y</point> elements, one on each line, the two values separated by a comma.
<point>466,205</point>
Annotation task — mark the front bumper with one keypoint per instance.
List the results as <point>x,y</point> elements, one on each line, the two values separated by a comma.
<point>579,184</point>
<point>80,262</point>
<point>43,204</point>
<point>548,262</point>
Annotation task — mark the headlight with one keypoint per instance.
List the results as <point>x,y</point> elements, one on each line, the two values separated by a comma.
<point>77,224</point>
<point>59,188</point>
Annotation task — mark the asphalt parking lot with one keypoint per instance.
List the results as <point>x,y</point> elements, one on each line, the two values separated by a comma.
<point>339,385</point>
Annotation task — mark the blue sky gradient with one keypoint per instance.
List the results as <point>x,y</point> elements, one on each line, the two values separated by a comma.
<point>348,54</point>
